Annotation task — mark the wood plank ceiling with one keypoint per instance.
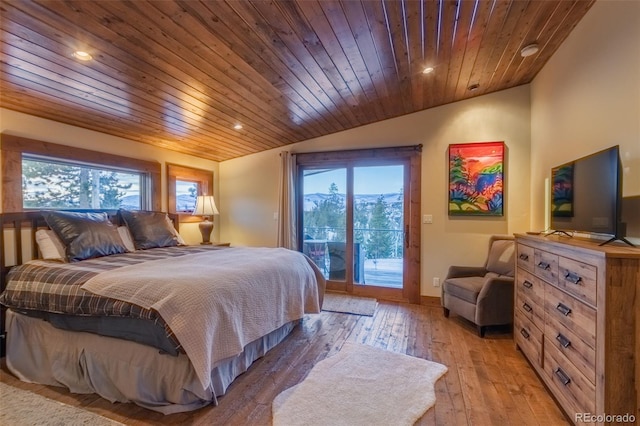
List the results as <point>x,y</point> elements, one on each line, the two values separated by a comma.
<point>180,74</point>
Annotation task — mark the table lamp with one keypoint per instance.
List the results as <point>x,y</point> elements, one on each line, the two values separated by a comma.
<point>205,206</point>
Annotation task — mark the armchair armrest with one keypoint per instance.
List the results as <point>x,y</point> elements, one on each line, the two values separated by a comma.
<point>495,301</point>
<point>466,271</point>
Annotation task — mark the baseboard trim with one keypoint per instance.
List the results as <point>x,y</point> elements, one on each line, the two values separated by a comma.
<point>430,301</point>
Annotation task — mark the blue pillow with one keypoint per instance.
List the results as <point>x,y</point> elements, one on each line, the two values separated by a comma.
<point>85,235</point>
<point>149,229</point>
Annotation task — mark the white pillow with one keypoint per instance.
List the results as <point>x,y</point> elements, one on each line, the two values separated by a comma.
<point>50,246</point>
<point>181,241</point>
<point>125,235</point>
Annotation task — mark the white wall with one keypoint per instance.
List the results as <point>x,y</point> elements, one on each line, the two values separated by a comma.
<point>587,98</point>
<point>249,185</point>
<point>50,131</point>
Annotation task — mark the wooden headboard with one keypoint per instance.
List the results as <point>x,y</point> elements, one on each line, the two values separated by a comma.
<point>31,221</point>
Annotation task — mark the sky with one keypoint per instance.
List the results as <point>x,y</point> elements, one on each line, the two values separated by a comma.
<point>367,180</point>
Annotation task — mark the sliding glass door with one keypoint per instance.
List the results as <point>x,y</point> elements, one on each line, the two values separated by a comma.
<point>354,224</point>
<point>324,219</point>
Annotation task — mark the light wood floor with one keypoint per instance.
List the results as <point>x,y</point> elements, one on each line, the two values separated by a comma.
<point>488,383</point>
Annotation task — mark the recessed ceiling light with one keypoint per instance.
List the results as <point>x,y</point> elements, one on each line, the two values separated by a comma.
<point>530,49</point>
<point>83,56</point>
<point>427,70</point>
<point>238,126</point>
<point>473,87</point>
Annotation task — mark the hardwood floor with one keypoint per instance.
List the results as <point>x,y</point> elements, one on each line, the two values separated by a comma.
<point>488,383</point>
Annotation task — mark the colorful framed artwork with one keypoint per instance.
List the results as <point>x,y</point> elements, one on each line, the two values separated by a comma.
<point>476,179</point>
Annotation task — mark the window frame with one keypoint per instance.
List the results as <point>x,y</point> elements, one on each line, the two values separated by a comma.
<point>13,147</point>
<point>203,178</point>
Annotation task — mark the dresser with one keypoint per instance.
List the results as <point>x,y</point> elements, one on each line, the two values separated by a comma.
<point>575,320</point>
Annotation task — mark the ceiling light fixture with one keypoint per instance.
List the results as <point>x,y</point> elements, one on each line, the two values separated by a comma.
<point>530,49</point>
<point>83,56</point>
<point>238,126</point>
<point>427,70</point>
<point>473,87</point>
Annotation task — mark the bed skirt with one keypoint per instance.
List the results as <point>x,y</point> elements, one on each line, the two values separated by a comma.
<point>120,370</point>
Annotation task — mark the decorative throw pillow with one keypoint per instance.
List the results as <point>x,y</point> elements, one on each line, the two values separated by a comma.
<point>181,241</point>
<point>49,245</point>
<point>85,235</point>
<point>501,258</point>
<point>149,229</point>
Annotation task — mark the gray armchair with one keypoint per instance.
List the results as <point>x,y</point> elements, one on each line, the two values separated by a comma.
<point>483,294</point>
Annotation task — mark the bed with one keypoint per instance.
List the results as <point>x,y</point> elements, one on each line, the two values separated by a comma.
<point>133,315</point>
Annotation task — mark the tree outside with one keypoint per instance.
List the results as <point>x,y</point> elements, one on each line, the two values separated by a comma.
<point>65,186</point>
<point>380,241</point>
<point>377,225</point>
<point>328,217</point>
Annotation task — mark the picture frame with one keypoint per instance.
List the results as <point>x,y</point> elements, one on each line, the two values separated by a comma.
<point>476,179</point>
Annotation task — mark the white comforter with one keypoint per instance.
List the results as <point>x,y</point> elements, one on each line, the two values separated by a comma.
<point>218,302</point>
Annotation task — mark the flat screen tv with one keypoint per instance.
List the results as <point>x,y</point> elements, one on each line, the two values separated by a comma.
<point>586,195</point>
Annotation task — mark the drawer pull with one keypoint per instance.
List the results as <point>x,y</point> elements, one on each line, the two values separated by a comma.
<point>573,278</point>
<point>562,376</point>
<point>526,307</point>
<point>525,333</point>
<point>544,265</point>
<point>523,256</point>
<point>527,284</point>
<point>563,340</point>
<point>565,310</point>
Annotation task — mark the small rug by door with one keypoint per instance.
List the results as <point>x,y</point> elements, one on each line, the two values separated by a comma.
<point>361,385</point>
<point>24,408</point>
<point>345,303</point>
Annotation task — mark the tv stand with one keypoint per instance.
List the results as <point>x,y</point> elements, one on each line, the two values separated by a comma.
<point>612,239</point>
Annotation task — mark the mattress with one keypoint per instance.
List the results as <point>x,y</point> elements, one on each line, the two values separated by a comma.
<point>146,332</point>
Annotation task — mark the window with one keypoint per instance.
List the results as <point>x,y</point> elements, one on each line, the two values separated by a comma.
<point>186,193</point>
<point>38,174</point>
<point>184,184</point>
<point>57,184</point>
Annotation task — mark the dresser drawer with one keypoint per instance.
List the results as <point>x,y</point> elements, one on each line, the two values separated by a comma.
<point>529,284</point>
<point>572,347</point>
<point>546,266</point>
<point>575,392</point>
<point>578,278</point>
<point>531,307</point>
<point>525,257</point>
<point>570,315</point>
<point>528,337</point>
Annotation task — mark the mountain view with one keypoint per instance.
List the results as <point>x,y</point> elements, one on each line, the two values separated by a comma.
<point>310,200</point>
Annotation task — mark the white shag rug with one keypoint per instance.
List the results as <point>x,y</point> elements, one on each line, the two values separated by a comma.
<point>360,385</point>
<point>24,408</point>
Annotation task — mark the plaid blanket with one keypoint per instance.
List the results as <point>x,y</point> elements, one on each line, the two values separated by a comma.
<point>41,285</point>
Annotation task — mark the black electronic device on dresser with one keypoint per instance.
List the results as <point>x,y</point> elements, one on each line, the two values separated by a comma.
<point>586,196</point>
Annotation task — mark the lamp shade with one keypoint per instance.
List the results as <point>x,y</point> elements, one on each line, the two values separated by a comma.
<point>205,206</point>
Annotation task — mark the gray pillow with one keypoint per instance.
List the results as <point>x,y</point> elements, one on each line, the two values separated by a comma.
<point>501,257</point>
<point>85,235</point>
<point>149,229</point>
